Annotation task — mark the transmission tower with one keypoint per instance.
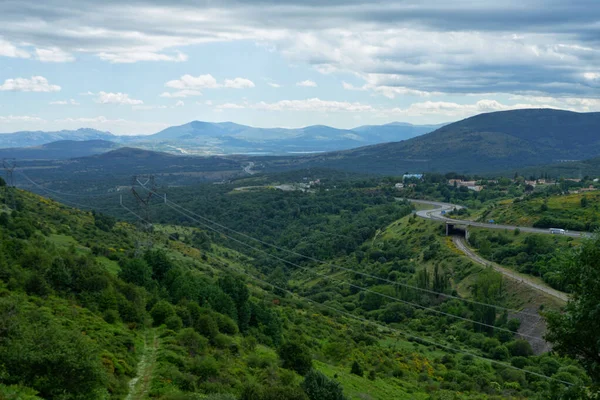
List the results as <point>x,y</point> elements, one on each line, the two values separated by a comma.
<point>143,189</point>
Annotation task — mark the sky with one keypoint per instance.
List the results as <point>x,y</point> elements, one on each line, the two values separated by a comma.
<point>139,66</point>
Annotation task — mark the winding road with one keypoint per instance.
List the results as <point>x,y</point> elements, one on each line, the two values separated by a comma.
<point>437,214</point>
<point>440,208</point>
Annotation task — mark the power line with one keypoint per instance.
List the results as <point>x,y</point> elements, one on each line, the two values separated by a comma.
<point>67,202</point>
<point>351,284</point>
<point>350,269</point>
<point>397,330</point>
<point>353,316</point>
<point>69,194</point>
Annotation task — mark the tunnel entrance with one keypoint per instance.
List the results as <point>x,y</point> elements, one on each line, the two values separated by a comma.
<point>454,229</point>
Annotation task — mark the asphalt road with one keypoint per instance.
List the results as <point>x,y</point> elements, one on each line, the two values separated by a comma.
<point>437,214</point>
<point>462,246</point>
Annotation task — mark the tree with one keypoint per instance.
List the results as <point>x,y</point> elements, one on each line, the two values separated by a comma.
<point>318,387</point>
<point>576,331</point>
<point>356,369</point>
<point>136,271</point>
<point>295,356</point>
<point>161,312</point>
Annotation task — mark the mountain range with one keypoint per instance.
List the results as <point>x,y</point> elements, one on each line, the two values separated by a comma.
<point>59,150</point>
<point>208,138</point>
<point>497,141</point>
<point>38,138</point>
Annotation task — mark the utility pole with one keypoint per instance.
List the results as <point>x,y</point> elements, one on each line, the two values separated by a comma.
<point>143,189</point>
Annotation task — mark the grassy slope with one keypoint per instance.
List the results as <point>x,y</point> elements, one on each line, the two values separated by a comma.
<point>527,212</point>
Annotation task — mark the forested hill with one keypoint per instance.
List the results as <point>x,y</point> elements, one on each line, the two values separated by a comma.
<point>495,141</point>
<point>93,308</point>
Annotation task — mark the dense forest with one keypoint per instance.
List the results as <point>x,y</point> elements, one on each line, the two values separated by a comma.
<point>91,307</point>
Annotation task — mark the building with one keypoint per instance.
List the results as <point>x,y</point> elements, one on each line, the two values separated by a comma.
<point>399,185</point>
<point>412,176</point>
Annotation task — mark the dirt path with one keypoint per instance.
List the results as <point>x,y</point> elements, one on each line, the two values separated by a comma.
<point>140,385</point>
<point>460,244</point>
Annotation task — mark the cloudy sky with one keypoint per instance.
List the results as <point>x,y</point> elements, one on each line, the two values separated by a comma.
<point>138,66</point>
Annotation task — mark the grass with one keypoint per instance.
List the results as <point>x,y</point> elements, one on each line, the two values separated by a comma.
<point>110,265</point>
<point>361,388</point>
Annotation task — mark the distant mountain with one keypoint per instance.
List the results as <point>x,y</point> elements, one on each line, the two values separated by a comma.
<point>496,141</point>
<point>38,138</point>
<point>199,137</point>
<point>60,150</point>
<point>208,138</point>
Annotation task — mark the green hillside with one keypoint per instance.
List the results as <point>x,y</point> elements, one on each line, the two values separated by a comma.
<point>87,311</point>
<point>489,142</point>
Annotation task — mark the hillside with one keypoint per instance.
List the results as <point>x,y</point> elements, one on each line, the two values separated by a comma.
<point>194,316</point>
<point>38,138</point>
<point>116,167</point>
<point>484,143</point>
<point>61,150</point>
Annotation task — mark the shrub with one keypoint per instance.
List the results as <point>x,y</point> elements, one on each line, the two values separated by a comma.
<point>207,326</point>
<point>192,341</point>
<point>161,311</point>
<point>520,348</point>
<point>296,357</point>
<point>174,322</point>
<point>318,387</point>
<point>356,369</point>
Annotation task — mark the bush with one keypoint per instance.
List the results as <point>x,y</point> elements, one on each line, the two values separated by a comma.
<point>161,312</point>
<point>356,369</point>
<point>174,323</point>
<point>318,387</point>
<point>192,341</point>
<point>207,326</point>
<point>205,367</point>
<point>296,357</point>
<point>520,348</point>
<point>226,324</point>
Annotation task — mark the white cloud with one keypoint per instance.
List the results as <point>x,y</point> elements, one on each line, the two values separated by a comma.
<point>189,82</point>
<point>53,54</point>
<point>457,110</point>
<point>179,104</point>
<point>181,93</point>
<point>19,118</point>
<point>35,84</point>
<point>127,57</point>
<point>313,105</point>
<point>307,83</point>
<point>274,85</point>
<point>88,93</point>
<point>349,86</point>
<point>239,83</point>
<point>117,98</point>
<point>64,102</point>
<point>592,76</point>
<point>230,106</point>
<point>189,85</point>
<point>7,49</point>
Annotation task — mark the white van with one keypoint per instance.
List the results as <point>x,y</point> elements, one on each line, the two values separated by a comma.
<point>557,231</point>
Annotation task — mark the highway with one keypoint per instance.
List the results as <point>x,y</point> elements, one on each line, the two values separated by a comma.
<point>460,244</point>
<point>436,214</point>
